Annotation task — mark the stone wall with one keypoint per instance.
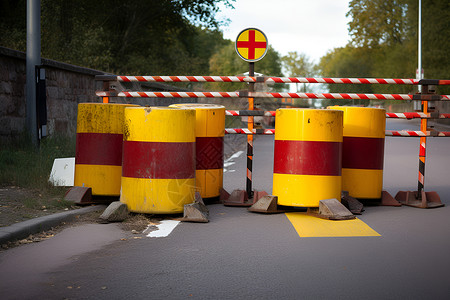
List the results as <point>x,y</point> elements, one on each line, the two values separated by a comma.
<point>12,94</point>
<point>66,86</point>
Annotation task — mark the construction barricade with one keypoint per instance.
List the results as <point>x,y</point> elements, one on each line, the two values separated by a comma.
<point>427,94</point>
<point>209,131</point>
<point>363,151</point>
<point>158,168</point>
<point>98,158</point>
<point>307,156</point>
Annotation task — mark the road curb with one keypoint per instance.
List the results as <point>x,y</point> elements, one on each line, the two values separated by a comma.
<point>24,229</point>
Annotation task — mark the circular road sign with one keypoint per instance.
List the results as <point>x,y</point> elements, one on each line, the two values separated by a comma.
<point>251,44</point>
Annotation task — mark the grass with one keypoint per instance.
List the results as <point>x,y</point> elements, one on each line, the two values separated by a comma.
<point>27,166</point>
<point>44,202</point>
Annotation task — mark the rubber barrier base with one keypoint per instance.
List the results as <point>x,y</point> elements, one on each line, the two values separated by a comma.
<point>267,205</point>
<point>426,199</point>
<point>240,198</point>
<point>79,195</point>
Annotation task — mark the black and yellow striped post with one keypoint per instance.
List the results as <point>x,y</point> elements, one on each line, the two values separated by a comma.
<point>158,173</point>
<point>307,156</point>
<point>98,158</point>
<point>209,132</point>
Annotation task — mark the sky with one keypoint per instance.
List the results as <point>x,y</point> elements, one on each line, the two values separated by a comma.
<point>312,27</point>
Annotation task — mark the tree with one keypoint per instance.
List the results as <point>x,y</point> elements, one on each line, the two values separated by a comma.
<point>376,22</point>
<point>384,43</point>
<point>227,62</point>
<point>345,62</point>
<point>299,65</point>
<point>132,37</point>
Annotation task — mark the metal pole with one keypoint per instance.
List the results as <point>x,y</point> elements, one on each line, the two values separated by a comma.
<point>419,54</point>
<point>251,88</point>
<point>423,121</point>
<point>33,60</point>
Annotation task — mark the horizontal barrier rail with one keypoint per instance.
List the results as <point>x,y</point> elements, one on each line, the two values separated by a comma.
<point>247,131</point>
<point>357,80</point>
<point>418,133</point>
<point>337,96</point>
<point>414,115</point>
<point>347,96</point>
<point>405,133</point>
<point>273,79</point>
<point>169,94</point>
<point>405,115</point>
<point>250,113</point>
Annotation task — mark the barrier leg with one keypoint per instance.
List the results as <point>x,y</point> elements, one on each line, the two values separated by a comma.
<point>420,198</point>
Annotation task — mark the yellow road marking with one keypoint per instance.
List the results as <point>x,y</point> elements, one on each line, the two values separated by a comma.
<point>309,226</point>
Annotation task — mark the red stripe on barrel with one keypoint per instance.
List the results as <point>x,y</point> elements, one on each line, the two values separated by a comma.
<point>209,153</point>
<point>98,149</point>
<point>158,160</point>
<point>363,153</point>
<point>307,158</point>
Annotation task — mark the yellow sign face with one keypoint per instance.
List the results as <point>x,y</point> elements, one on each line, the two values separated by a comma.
<point>251,44</point>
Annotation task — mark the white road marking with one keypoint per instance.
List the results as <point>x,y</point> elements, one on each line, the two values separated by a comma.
<point>164,228</point>
<point>229,161</point>
<point>235,155</point>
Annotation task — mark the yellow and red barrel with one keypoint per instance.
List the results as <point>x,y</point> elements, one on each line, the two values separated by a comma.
<point>98,158</point>
<point>158,168</point>
<point>363,151</point>
<point>210,130</point>
<point>307,156</point>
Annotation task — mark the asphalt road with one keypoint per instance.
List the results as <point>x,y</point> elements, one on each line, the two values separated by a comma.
<point>240,255</point>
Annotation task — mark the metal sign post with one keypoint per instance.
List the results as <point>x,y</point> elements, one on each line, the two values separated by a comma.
<point>251,45</point>
<point>250,119</point>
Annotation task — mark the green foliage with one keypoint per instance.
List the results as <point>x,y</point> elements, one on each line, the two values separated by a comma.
<point>226,62</point>
<point>384,44</point>
<point>348,61</point>
<point>13,24</point>
<point>376,22</point>
<point>123,37</point>
<point>299,65</point>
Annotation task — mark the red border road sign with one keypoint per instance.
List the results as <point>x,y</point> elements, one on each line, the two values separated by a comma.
<point>251,44</point>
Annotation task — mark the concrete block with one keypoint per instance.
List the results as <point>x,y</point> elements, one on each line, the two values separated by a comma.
<point>115,212</point>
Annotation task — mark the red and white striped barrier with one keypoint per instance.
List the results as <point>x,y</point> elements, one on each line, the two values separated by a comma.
<point>250,113</point>
<point>414,115</point>
<point>186,78</point>
<point>246,131</point>
<point>171,94</point>
<point>408,115</point>
<point>405,115</point>
<point>405,133</point>
<point>341,80</point>
<point>338,96</point>
<point>279,80</point>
